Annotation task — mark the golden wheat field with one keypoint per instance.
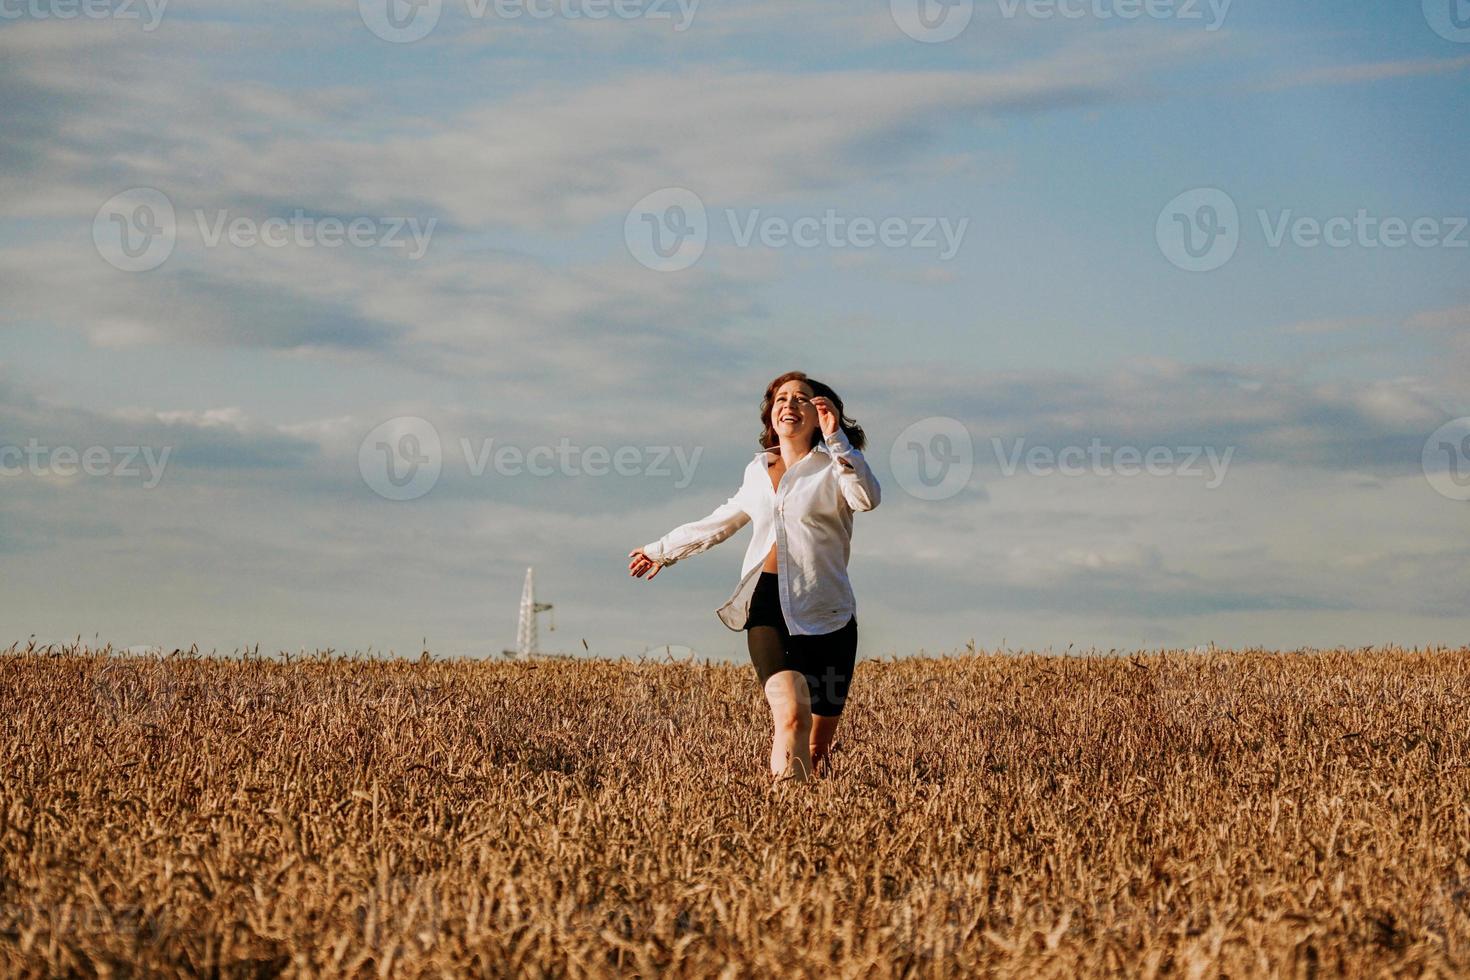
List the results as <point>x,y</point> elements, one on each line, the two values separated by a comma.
<point>1220,814</point>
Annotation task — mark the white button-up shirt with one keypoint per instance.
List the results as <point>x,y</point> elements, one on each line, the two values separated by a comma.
<point>809,519</point>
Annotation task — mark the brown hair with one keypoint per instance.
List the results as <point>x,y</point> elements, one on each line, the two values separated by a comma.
<point>768,437</point>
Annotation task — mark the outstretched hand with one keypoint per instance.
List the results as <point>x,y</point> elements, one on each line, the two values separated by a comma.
<point>826,414</point>
<point>641,564</point>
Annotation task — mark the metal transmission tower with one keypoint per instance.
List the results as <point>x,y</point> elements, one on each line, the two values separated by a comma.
<point>526,645</point>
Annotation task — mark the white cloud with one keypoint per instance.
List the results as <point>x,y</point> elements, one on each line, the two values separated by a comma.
<point>280,513</point>
<point>1375,71</point>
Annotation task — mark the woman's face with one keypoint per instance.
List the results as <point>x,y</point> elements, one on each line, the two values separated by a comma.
<point>792,414</point>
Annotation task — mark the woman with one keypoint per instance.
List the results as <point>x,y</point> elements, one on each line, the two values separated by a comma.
<point>794,601</point>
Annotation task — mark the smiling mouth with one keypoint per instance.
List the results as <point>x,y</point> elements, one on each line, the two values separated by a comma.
<point>790,418</point>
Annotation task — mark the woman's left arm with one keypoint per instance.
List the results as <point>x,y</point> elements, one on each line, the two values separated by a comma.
<point>854,476</point>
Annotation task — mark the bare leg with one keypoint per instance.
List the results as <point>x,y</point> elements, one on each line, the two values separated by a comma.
<point>791,717</point>
<point>824,730</point>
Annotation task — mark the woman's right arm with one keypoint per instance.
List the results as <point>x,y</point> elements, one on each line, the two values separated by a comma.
<point>701,535</point>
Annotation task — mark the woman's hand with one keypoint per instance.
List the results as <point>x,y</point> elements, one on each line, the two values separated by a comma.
<point>641,563</point>
<point>826,416</point>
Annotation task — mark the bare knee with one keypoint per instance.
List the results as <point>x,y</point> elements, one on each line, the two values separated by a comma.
<point>792,717</point>
<point>793,720</point>
<point>791,708</point>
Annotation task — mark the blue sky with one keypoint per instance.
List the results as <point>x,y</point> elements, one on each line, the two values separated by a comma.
<point>522,148</point>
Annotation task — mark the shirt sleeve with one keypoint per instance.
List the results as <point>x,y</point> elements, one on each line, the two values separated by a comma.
<point>854,476</point>
<point>701,535</point>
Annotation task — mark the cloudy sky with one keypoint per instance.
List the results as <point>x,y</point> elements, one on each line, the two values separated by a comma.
<point>320,322</point>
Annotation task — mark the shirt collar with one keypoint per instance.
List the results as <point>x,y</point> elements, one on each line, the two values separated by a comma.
<point>761,453</point>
